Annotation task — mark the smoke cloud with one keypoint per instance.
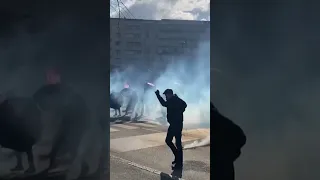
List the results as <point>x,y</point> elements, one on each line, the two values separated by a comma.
<point>188,78</point>
<point>198,143</point>
<point>269,86</point>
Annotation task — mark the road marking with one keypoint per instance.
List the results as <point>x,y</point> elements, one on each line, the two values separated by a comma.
<point>151,130</point>
<point>146,141</point>
<point>113,130</point>
<point>145,125</point>
<point>125,126</point>
<point>161,174</point>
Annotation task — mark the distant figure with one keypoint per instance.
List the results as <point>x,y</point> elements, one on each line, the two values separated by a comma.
<point>227,141</point>
<point>132,99</point>
<point>116,102</point>
<point>175,109</point>
<point>147,90</point>
<point>71,113</point>
<point>20,128</point>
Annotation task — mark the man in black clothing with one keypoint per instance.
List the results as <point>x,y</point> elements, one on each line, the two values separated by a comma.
<point>70,110</point>
<point>132,97</point>
<point>20,128</point>
<point>227,141</point>
<point>116,102</point>
<point>146,108</point>
<point>175,108</point>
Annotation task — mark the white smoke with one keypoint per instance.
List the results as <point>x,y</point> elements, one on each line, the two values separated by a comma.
<point>188,78</point>
<point>198,143</point>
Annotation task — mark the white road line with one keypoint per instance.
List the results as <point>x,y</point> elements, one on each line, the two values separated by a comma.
<point>142,141</point>
<point>162,174</point>
<point>151,130</point>
<point>125,126</point>
<point>146,125</point>
<point>113,130</point>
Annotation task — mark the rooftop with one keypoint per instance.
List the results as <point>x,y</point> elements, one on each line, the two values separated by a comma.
<point>162,20</point>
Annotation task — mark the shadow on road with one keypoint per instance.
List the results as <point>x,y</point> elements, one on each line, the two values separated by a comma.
<point>121,118</point>
<point>124,119</point>
<point>175,175</point>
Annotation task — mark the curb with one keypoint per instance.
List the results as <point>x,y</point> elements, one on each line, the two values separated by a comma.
<point>163,176</point>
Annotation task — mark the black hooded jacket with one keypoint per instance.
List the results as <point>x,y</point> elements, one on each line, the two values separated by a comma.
<point>175,109</point>
<point>228,138</point>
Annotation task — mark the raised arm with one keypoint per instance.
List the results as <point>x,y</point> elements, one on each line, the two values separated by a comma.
<point>161,100</point>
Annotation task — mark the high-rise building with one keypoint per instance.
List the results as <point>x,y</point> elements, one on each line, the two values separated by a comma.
<point>146,41</point>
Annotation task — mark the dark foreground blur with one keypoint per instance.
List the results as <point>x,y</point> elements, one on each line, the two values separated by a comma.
<point>86,160</point>
<point>72,37</point>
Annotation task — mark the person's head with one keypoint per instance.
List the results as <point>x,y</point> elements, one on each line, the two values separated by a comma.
<point>126,86</point>
<point>168,93</point>
<point>53,76</point>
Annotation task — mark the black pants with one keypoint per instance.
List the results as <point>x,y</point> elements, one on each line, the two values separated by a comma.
<point>175,131</point>
<point>68,138</point>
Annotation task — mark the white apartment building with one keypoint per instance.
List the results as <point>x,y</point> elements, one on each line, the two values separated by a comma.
<point>146,41</point>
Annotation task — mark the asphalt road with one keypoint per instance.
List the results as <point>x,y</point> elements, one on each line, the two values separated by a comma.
<point>144,144</point>
<point>120,170</point>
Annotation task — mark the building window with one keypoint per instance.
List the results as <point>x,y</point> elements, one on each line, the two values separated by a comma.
<point>174,40</point>
<point>118,43</point>
<point>133,27</point>
<point>133,52</point>
<point>132,35</point>
<point>187,50</point>
<point>172,30</point>
<point>118,52</point>
<point>134,44</point>
<point>167,50</point>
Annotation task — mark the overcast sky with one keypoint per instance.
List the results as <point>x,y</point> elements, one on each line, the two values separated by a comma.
<point>164,9</point>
